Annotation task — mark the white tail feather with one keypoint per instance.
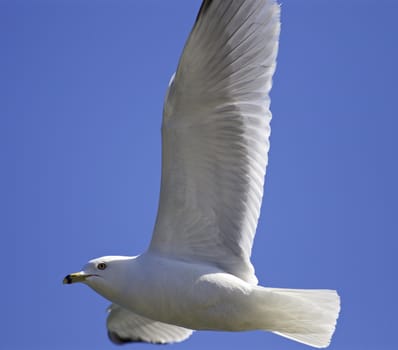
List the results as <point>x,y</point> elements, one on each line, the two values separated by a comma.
<point>304,315</point>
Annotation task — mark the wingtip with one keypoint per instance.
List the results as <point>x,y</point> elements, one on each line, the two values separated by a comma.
<point>118,340</point>
<point>203,9</point>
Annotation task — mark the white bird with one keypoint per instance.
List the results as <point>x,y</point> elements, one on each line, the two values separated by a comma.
<point>197,274</point>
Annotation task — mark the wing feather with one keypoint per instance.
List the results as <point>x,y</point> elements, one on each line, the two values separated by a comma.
<point>215,131</point>
<point>125,326</point>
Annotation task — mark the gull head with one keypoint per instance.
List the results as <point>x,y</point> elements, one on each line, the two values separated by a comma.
<point>102,274</point>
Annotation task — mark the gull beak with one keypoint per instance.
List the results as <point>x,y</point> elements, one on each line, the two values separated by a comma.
<point>75,277</point>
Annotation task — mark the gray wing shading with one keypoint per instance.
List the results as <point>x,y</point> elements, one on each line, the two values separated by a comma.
<point>127,327</point>
<point>215,136</point>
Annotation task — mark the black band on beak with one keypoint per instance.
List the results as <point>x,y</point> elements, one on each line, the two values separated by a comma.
<point>67,279</point>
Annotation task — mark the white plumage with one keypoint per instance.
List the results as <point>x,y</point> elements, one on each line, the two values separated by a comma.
<point>197,272</point>
<point>216,126</point>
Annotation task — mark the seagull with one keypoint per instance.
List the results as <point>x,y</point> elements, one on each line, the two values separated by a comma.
<point>196,273</point>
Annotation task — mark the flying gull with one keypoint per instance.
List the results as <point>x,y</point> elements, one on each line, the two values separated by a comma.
<point>197,273</point>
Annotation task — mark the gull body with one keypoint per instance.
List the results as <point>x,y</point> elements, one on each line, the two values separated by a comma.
<point>203,297</point>
<point>190,295</point>
<point>197,273</point>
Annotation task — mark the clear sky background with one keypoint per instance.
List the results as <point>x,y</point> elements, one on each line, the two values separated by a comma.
<point>82,84</point>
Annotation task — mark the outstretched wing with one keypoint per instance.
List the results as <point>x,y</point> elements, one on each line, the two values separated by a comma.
<point>216,125</point>
<point>127,327</point>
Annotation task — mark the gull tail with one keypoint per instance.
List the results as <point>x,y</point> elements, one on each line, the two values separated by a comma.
<point>304,315</point>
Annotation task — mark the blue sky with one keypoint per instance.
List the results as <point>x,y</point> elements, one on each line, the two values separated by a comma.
<point>81,89</point>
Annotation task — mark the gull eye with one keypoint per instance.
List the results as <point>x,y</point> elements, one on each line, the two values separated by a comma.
<point>101,266</point>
